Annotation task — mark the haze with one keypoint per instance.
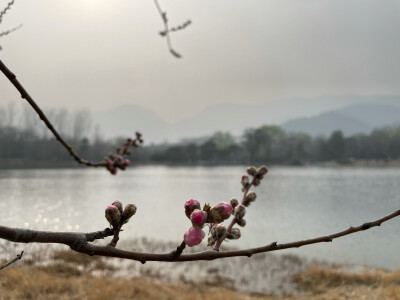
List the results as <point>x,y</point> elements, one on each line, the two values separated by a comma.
<point>103,54</point>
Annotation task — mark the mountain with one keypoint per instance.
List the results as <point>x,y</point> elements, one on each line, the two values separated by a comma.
<point>235,118</point>
<point>360,118</point>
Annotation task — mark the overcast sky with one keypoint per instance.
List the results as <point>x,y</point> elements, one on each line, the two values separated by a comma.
<point>99,54</point>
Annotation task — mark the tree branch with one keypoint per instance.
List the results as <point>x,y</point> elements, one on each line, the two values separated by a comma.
<point>19,256</point>
<point>80,243</point>
<point>24,94</point>
<point>4,11</point>
<point>165,33</point>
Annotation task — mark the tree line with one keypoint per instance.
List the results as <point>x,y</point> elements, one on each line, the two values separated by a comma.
<point>26,145</point>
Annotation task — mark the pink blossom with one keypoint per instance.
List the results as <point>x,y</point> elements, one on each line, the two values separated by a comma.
<point>198,218</point>
<point>193,236</point>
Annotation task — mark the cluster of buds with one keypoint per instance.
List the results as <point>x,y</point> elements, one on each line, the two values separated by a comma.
<point>199,217</point>
<point>115,161</point>
<point>116,215</point>
<point>257,173</point>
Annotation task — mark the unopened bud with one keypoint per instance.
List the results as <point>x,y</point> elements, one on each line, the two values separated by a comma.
<point>118,205</point>
<point>241,222</point>
<point>245,181</point>
<point>262,170</point>
<point>129,211</point>
<point>250,197</point>
<point>190,206</point>
<point>251,171</point>
<point>113,215</point>
<point>234,202</point>
<point>127,162</point>
<point>256,182</point>
<point>193,236</point>
<point>198,218</point>
<point>240,211</point>
<point>234,234</point>
<point>219,212</point>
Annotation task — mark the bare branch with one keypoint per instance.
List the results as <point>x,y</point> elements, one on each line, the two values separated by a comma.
<point>165,33</point>
<point>24,94</point>
<point>19,256</point>
<point>4,11</point>
<point>7,32</point>
<point>80,243</point>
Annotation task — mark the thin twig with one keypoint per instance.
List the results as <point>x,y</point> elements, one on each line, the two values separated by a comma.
<point>4,11</point>
<point>80,243</point>
<point>234,220</point>
<point>165,33</point>
<point>19,256</point>
<point>4,33</point>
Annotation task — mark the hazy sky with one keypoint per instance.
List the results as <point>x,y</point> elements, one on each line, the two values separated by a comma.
<point>99,54</point>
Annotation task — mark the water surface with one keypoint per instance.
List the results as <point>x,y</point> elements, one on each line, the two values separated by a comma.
<point>292,204</point>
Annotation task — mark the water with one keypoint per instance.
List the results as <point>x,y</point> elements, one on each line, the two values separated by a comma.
<point>292,204</point>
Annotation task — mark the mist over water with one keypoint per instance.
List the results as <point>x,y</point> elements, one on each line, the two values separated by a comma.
<point>292,204</point>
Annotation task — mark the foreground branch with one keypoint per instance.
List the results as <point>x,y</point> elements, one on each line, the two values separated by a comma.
<point>19,256</point>
<point>80,243</point>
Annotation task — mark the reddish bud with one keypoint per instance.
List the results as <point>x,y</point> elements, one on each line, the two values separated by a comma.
<point>118,205</point>
<point>198,218</point>
<point>193,236</point>
<point>113,215</point>
<point>190,206</point>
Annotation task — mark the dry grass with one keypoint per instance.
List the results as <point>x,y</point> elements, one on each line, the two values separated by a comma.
<point>338,283</point>
<point>76,276</point>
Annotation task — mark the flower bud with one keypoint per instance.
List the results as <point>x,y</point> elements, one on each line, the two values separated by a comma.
<point>127,162</point>
<point>220,230</point>
<point>219,212</point>
<point>129,211</point>
<point>245,181</point>
<point>118,205</point>
<point>193,236</point>
<point>190,206</point>
<point>234,234</point>
<point>234,202</point>
<point>256,182</point>
<point>198,218</point>
<point>113,171</point>
<point>240,211</point>
<point>250,197</point>
<point>251,171</point>
<point>113,215</point>
<point>241,222</point>
<point>262,170</point>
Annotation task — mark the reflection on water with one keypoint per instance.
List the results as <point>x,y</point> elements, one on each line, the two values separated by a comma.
<point>292,204</point>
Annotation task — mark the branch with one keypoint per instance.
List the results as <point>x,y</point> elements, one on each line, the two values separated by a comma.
<point>80,243</point>
<point>19,256</point>
<point>24,94</point>
<point>4,33</point>
<point>167,30</point>
<point>4,11</point>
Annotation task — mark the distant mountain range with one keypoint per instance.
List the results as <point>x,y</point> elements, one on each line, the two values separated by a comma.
<point>349,113</point>
<point>361,118</point>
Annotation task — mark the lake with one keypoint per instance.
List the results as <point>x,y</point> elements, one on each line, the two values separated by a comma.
<point>293,203</point>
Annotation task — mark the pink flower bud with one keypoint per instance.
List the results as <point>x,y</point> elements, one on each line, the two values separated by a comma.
<point>198,218</point>
<point>113,215</point>
<point>193,236</point>
<point>113,171</point>
<point>220,212</point>
<point>118,205</point>
<point>190,206</point>
<point>129,211</point>
<point>127,162</point>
